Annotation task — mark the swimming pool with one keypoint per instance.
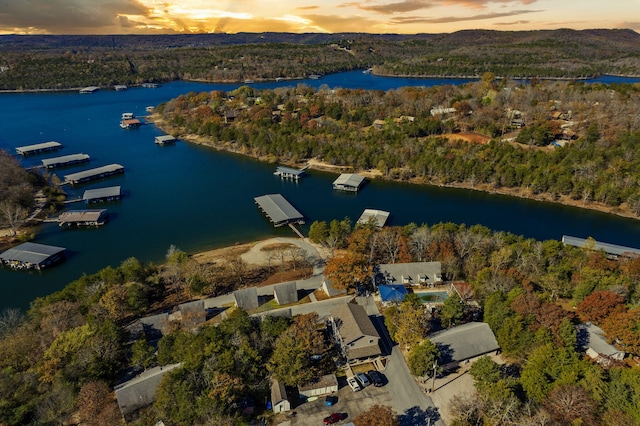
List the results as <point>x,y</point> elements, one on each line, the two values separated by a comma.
<point>433,296</point>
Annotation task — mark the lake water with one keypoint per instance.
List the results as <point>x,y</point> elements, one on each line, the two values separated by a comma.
<point>197,198</point>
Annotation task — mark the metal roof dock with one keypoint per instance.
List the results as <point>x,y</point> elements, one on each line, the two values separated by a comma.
<point>89,89</point>
<point>65,160</point>
<point>379,217</point>
<point>98,195</point>
<point>279,211</point>
<point>38,148</point>
<point>591,244</point>
<point>165,140</point>
<point>348,182</point>
<point>71,218</point>
<point>97,173</point>
<point>290,173</point>
<point>32,256</point>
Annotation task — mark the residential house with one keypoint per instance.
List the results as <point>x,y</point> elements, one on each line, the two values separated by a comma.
<point>355,332</point>
<point>279,399</point>
<point>285,293</point>
<point>414,273</point>
<point>322,386</point>
<point>595,344</point>
<point>246,298</point>
<point>464,343</point>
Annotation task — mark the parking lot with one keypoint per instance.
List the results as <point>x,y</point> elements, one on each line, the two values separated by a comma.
<point>350,402</point>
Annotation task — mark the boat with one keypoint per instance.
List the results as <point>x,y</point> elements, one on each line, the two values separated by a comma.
<point>150,85</point>
<point>132,123</point>
<point>367,71</point>
<point>127,116</point>
<point>314,76</point>
<point>150,109</point>
<point>279,79</point>
<point>248,81</point>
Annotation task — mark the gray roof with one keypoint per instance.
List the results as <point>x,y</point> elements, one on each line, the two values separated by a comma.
<point>353,322</point>
<point>38,146</point>
<point>31,253</point>
<point>596,245</point>
<point>110,168</point>
<point>111,191</point>
<point>193,313</point>
<point>82,215</point>
<point>411,273</point>
<point>285,293</point>
<point>464,342</point>
<point>246,298</point>
<point>593,338</point>
<point>328,288</point>
<point>379,217</point>
<point>73,158</point>
<point>349,179</point>
<point>326,381</point>
<point>277,209</point>
<point>140,391</point>
<point>290,171</point>
<point>278,392</point>
<point>164,139</point>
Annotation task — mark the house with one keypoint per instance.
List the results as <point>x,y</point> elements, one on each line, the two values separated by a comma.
<point>247,298</point>
<point>322,386</point>
<point>279,400</point>
<point>330,290</point>
<point>393,293</point>
<point>440,111</point>
<point>230,116</point>
<point>192,314</point>
<point>285,293</point>
<point>348,182</point>
<point>355,332</point>
<point>465,342</point>
<point>414,273</point>
<point>594,343</point>
<point>151,327</point>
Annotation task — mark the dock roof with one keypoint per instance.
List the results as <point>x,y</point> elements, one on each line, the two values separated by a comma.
<point>31,253</point>
<point>349,180</point>
<point>92,194</point>
<point>73,158</point>
<point>592,244</point>
<point>110,168</point>
<point>165,139</point>
<point>278,210</point>
<point>290,171</point>
<point>82,215</point>
<point>379,217</point>
<point>38,147</point>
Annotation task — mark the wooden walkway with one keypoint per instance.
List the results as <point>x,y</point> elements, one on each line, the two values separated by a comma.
<point>292,226</point>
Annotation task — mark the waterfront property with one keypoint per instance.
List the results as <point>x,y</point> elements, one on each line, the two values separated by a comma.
<point>165,140</point>
<point>595,344</point>
<point>89,89</point>
<point>356,333</point>
<point>101,195</point>
<point>465,342</point>
<point>132,123</point>
<point>377,217</point>
<point>610,249</point>
<point>289,173</point>
<point>65,160</point>
<point>278,210</point>
<point>38,148</point>
<point>348,182</point>
<point>72,218</point>
<point>92,174</point>
<point>32,256</point>
<point>414,273</point>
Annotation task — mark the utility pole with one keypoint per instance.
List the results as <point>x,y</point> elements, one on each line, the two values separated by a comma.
<point>433,382</point>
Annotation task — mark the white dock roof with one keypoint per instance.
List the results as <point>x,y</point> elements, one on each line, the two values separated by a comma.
<point>110,168</point>
<point>111,191</point>
<point>379,217</point>
<point>277,209</point>
<point>49,162</point>
<point>30,253</point>
<point>349,179</point>
<point>597,245</point>
<point>37,147</point>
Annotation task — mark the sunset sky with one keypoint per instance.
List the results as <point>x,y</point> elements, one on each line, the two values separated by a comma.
<point>372,16</point>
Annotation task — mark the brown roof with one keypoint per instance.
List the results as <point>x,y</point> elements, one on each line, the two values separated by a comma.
<point>353,322</point>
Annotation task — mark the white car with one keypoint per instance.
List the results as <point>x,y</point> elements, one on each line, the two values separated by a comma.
<point>353,384</point>
<point>363,379</point>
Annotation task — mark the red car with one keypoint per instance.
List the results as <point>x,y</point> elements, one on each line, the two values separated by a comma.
<point>334,418</point>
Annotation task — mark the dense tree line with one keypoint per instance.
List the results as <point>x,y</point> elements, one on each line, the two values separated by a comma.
<point>63,62</point>
<point>600,126</point>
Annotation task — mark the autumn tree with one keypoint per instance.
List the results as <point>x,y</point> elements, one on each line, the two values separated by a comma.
<point>377,415</point>
<point>348,268</point>
<point>597,306</point>
<point>571,404</point>
<point>623,326</point>
<point>97,404</point>
<point>408,324</point>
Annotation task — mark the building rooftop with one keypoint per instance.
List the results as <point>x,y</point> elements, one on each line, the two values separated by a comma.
<point>350,180</point>
<point>73,158</point>
<point>379,217</point>
<point>353,322</point>
<point>30,253</point>
<point>38,147</point>
<point>108,169</point>
<point>82,215</point>
<point>111,191</point>
<point>464,342</point>
<point>591,244</point>
<point>392,293</point>
<point>278,210</point>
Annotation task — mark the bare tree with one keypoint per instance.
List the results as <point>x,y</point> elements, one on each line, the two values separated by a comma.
<point>12,215</point>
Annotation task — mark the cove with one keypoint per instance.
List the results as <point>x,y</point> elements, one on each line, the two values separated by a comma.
<point>197,198</point>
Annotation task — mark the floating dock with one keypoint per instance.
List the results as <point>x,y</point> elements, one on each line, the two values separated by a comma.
<point>132,123</point>
<point>278,210</point>
<point>165,140</point>
<point>32,256</point>
<point>348,182</point>
<point>150,85</point>
<point>378,217</point>
<point>290,173</point>
<point>102,195</point>
<point>92,174</point>
<point>120,87</point>
<point>83,218</point>
<point>38,148</point>
<point>89,89</point>
<point>65,160</point>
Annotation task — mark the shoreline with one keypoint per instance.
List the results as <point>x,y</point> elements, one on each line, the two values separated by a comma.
<point>623,210</point>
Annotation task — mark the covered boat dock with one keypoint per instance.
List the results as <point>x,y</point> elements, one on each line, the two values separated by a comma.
<point>72,218</point>
<point>132,123</point>
<point>278,210</point>
<point>65,160</point>
<point>32,256</point>
<point>38,148</point>
<point>92,174</point>
<point>165,140</point>
<point>100,195</point>
<point>348,182</point>
<point>89,89</point>
<point>378,217</point>
<point>592,244</point>
<point>289,173</point>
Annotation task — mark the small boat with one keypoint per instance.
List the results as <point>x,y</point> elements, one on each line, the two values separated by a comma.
<point>150,108</point>
<point>314,76</point>
<point>248,81</point>
<point>127,116</point>
<point>279,79</point>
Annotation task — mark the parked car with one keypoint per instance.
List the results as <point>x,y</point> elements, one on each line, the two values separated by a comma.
<point>363,379</point>
<point>353,384</point>
<point>375,377</point>
<point>334,418</point>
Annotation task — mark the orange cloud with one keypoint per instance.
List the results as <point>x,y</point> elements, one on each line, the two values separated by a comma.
<point>449,19</point>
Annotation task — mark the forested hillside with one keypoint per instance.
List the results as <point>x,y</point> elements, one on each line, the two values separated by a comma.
<point>63,62</point>
<point>419,134</point>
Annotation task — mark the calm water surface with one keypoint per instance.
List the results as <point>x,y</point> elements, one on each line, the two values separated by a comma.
<point>196,198</point>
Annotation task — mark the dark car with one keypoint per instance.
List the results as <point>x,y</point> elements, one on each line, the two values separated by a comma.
<point>375,377</point>
<point>334,418</point>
